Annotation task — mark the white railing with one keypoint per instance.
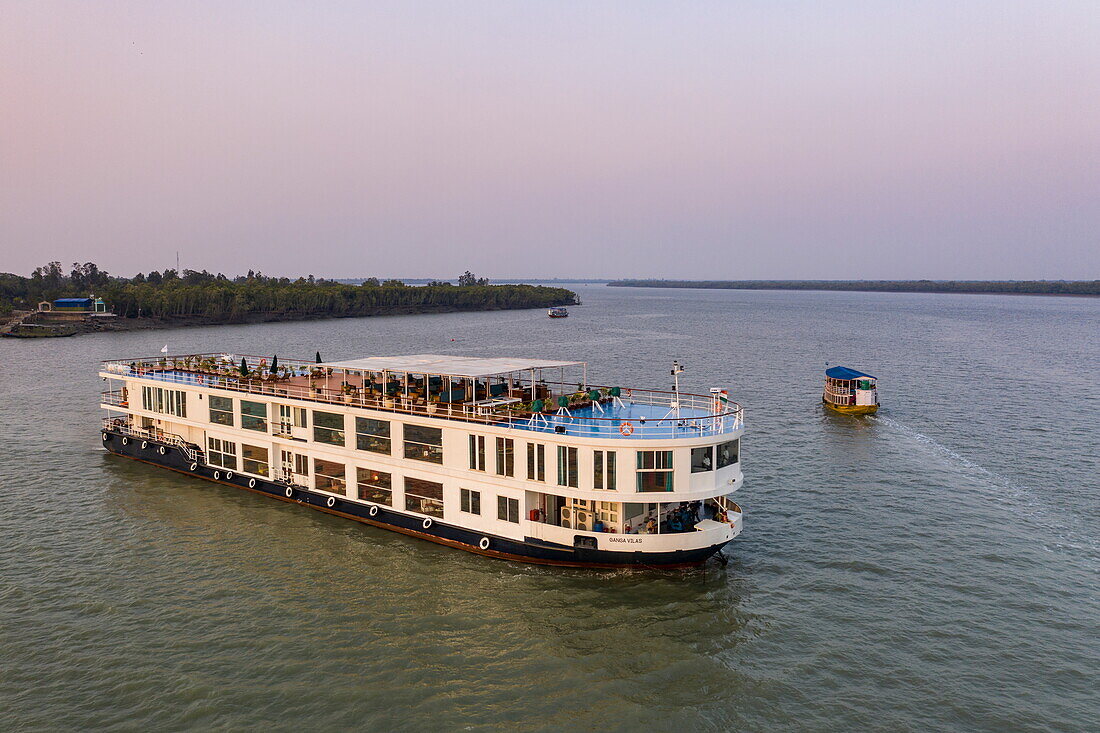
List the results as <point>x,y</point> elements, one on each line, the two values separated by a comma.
<point>662,542</point>
<point>727,418</point>
<point>115,398</point>
<point>120,425</point>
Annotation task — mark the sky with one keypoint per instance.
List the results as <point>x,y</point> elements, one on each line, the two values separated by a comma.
<point>733,139</point>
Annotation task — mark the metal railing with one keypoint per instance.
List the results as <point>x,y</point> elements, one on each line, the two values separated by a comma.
<point>121,425</point>
<point>115,397</point>
<point>195,370</point>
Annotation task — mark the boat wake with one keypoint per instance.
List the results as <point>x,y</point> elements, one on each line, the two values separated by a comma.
<point>1067,529</point>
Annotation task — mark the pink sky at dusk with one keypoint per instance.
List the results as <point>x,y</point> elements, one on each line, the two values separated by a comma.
<point>591,139</point>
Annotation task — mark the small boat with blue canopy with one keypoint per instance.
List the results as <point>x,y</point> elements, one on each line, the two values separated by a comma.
<point>850,391</point>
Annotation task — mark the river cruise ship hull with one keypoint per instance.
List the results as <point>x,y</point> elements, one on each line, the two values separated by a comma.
<point>578,483</point>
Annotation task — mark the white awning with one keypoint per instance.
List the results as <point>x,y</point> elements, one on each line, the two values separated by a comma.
<point>451,366</point>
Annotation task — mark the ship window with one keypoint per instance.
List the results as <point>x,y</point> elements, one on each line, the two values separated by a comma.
<point>424,497</point>
<point>536,462</point>
<point>253,459</point>
<point>728,453</point>
<point>567,466</point>
<point>328,427</point>
<point>424,443</point>
<point>506,457</point>
<point>508,509</point>
<point>654,470</point>
<point>603,469</point>
<point>702,459</point>
<point>374,486</point>
<point>294,463</point>
<point>221,453</point>
<point>471,501</point>
<point>221,410</point>
<point>329,476</point>
<point>372,435</point>
<point>165,401</point>
<point>291,417</point>
<point>477,452</point>
<point>254,415</point>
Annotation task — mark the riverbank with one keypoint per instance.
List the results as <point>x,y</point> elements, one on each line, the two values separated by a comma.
<point>1087,288</point>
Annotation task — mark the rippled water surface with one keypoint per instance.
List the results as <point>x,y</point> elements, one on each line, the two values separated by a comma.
<point>935,566</point>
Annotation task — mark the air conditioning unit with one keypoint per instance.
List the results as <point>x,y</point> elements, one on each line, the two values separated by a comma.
<point>566,524</point>
<point>587,527</point>
<point>566,514</point>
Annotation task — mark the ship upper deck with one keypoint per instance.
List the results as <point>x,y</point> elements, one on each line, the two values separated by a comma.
<point>516,393</point>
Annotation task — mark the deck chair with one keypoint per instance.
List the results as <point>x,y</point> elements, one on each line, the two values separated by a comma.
<point>563,406</point>
<point>615,394</point>
<point>537,418</point>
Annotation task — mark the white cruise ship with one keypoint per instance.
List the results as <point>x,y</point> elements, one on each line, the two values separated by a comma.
<point>519,459</point>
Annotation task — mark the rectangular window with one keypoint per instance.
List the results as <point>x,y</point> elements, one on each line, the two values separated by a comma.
<point>221,453</point>
<point>329,476</point>
<point>372,435</point>
<point>424,497</point>
<point>254,415</point>
<point>477,452</point>
<point>221,410</point>
<point>374,486</point>
<point>506,457</point>
<point>164,401</point>
<point>423,443</point>
<point>702,459</point>
<point>567,466</point>
<point>294,463</point>
<point>291,417</point>
<point>654,470</point>
<point>536,462</point>
<point>471,501</point>
<point>254,459</point>
<point>603,470</point>
<point>328,427</point>
<point>508,509</point>
<point>728,453</point>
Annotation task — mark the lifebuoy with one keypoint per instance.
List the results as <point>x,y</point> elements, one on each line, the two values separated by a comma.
<point>426,523</point>
<point>144,443</point>
<point>217,475</point>
<point>105,436</point>
<point>125,441</point>
<point>289,491</point>
<point>484,544</point>
<point>374,511</point>
<point>331,502</point>
<point>161,449</point>
<point>228,475</point>
<point>626,428</point>
<point>251,483</point>
<point>194,466</point>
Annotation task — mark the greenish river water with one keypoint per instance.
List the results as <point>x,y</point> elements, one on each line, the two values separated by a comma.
<point>933,567</point>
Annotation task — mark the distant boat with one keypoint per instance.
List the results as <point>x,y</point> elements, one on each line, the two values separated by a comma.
<point>850,392</point>
<point>558,312</point>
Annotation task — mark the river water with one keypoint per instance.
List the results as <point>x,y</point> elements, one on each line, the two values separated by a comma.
<point>935,566</point>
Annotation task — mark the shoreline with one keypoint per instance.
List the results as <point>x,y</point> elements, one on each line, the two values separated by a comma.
<point>797,285</point>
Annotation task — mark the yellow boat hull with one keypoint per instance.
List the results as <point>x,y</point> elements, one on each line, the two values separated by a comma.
<point>851,409</point>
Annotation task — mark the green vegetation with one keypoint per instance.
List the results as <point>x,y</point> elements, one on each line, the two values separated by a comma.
<point>202,297</point>
<point>1003,287</point>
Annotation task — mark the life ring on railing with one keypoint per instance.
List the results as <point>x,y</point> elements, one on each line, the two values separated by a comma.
<point>251,483</point>
<point>144,443</point>
<point>289,492</point>
<point>626,427</point>
<point>484,544</point>
<point>217,476</point>
<point>426,523</point>
<point>194,466</point>
<point>161,449</point>
<point>125,441</point>
<point>373,511</point>
<point>331,502</point>
<point>105,436</point>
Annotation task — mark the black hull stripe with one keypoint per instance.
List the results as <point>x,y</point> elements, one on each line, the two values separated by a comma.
<point>502,548</point>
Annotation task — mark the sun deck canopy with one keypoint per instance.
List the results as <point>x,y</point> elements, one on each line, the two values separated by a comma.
<point>840,372</point>
<point>445,365</point>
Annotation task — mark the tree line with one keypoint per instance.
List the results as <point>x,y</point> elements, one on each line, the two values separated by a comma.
<point>1004,287</point>
<point>217,298</point>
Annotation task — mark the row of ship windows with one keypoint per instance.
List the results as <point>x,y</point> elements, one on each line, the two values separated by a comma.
<point>421,443</point>
<point>421,496</point>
